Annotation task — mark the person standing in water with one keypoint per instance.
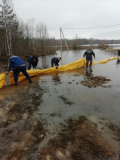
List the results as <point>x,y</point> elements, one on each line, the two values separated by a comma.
<point>89,53</point>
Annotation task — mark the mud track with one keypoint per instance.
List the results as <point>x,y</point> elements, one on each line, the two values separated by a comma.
<point>78,140</point>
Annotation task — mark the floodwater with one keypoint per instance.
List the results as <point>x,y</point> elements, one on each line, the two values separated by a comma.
<point>102,102</point>
<point>32,114</point>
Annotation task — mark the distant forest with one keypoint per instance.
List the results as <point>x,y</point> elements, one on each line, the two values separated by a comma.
<point>26,38</point>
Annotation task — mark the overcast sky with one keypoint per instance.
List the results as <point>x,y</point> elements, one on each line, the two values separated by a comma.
<point>73,14</point>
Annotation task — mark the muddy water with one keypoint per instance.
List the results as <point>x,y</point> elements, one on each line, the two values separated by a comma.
<point>32,114</point>
<point>99,101</point>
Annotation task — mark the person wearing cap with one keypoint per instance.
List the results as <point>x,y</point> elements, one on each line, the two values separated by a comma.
<point>89,53</point>
<point>17,65</point>
<point>32,61</point>
<point>55,61</point>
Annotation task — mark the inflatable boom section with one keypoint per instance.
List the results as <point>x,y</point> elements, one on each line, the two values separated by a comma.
<point>77,64</point>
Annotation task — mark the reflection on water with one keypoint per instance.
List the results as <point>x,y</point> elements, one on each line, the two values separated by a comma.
<point>71,56</point>
<point>99,102</point>
<point>56,78</point>
<point>118,61</point>
<point>44,62</point>
<point>32,113</point>
<point>88,72</point>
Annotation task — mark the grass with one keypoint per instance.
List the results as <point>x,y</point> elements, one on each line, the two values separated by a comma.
<point>66,100</point>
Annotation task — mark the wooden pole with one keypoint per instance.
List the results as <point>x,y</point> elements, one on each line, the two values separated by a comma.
<point>64,40</point>
<point>60,40</point>
<point>7,79</point>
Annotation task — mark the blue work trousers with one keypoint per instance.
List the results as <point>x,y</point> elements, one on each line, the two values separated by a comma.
<point>87,61</point>
<point>18,70</point>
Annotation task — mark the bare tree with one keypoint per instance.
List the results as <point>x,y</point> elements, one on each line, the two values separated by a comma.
<point>10,23</point>
<point>42,35</point>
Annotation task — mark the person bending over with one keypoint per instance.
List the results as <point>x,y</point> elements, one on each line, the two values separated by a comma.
<point>55,61</point>
<point>32,61</point>
<point>17,65</point>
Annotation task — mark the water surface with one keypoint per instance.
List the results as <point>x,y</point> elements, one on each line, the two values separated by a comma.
<point>99,102</point>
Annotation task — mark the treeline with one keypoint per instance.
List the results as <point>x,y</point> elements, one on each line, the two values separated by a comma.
<point>83,43</point>
<point>22,38</point>
<point>91,41</point>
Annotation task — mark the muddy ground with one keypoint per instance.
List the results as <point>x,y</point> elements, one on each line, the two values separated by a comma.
<point>20,132</point>
<point>23,134</point>
<point>96,81</point>
<point>78,140</point>
<point>92,81</point>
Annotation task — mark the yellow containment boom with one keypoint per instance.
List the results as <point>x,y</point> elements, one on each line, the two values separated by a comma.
<point>77,64</point>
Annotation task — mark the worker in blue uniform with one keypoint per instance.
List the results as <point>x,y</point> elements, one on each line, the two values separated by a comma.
<point>32,61</point>
<point>55,61</point>
<point>17,65</point>
<point>89,53</point>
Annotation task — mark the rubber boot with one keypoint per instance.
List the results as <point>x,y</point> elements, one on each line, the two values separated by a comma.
<point>30,80</point>
<point>16,83</point>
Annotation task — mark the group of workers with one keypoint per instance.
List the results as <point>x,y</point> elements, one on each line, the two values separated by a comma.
<point>18,65</point>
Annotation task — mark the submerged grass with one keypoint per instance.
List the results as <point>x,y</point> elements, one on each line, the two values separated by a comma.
<point>66,100</point>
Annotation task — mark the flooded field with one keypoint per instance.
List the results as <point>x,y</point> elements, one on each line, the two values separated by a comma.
<point>73,115</point>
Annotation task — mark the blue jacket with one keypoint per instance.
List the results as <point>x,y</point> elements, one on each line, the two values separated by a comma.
<point>14,62</point>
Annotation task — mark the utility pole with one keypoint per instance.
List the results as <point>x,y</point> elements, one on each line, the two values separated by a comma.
<point>61,34</point>
<point>60,40</point>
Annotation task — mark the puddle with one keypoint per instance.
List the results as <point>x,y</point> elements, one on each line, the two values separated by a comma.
<point>42,119</point>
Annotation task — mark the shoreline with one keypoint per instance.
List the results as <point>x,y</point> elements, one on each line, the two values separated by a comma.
<point>111,50</point>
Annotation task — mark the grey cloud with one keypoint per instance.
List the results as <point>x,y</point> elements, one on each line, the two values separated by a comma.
<point>72,14</point>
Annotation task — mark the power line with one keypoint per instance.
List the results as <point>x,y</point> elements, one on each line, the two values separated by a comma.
<point>96,27</point>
